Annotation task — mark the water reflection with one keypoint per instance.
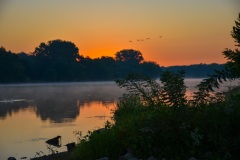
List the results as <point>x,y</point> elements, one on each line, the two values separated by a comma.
<point>8,108</point>
<point>59,103</point>
<point>62,102</point>
<point>32,113</point>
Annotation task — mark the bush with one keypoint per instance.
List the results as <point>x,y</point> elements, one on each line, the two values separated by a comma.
<point>99,143</point>
<point>180,133</point>
<point>146,126</point>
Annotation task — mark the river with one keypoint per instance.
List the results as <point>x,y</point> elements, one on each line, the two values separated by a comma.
<point>32,113</point>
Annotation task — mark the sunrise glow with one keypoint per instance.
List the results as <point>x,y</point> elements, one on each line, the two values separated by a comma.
<point>169,33</point>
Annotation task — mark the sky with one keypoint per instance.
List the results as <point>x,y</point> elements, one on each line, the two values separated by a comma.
<point>168,32</point>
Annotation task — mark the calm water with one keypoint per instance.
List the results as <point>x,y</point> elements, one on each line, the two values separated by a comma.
<point>32,113</point>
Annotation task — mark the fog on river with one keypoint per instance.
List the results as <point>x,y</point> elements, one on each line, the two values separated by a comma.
<point>32,113</point>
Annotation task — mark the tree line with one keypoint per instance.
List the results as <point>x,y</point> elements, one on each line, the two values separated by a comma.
<point>196,70</point>
<point>60,61</point>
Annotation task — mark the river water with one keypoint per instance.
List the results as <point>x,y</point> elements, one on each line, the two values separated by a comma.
<point>32,113</point>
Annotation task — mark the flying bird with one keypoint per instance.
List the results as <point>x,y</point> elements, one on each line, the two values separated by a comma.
<point>140,40</point>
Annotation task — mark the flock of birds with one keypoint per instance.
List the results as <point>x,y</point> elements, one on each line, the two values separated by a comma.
<point>143,39</point>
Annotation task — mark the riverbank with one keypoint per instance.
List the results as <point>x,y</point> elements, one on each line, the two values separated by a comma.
<point>57,156</point>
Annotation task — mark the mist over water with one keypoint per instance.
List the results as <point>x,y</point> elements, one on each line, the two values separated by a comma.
<point>32,113</point>
<point>57,98</point>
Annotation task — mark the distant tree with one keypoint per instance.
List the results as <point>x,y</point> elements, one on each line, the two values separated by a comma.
<point>29,63</point>
<point>11,68</point>
<point>196,70</point>
<point>57,60</point>
<point>150,69</point>
<point>107,67</point>
<point>129,55</point>
<point>58,49</point>
<point>128,61</point>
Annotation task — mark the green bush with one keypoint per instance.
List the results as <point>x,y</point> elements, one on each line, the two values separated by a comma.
<point>147,126</point>
<point>98,144</point>
<point>180,133</point>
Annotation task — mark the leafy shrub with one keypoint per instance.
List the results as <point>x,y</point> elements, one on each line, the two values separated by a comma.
<point>100,143</point>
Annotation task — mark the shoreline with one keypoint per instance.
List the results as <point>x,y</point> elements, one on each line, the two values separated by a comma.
<point>67,155</point>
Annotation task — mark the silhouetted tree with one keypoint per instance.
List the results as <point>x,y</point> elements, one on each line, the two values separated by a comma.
<point>150,69</point>
<point>29,63</point>
<point>105,68</point>
<point>129,55</point>
<point>56,49</point>
<point>233,56</point>
<point>57,60</point>
<point>11,68</point>
<point>232,67</point>
<point>128,61</point>
<point>196,70</point>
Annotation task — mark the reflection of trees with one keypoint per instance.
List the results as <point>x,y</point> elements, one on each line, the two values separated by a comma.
<point>7,109</point>
<point>107,104</point>
<point>57,109</point>
<point>58,102</point>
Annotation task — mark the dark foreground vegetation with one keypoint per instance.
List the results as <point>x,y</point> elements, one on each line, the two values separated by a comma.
<point>160,122</point>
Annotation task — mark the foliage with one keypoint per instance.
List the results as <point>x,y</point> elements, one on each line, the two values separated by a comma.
<point>196,70</point>
<point>58,49</point>
<point>96,144</point>
<point>129,55</point>
<point>144,87</point>
<point>59,60</point>
<point>173,92</point>
<point>11,68</point>
<point>232,67</point>
<point>152,94</point>
<point>167,132</point>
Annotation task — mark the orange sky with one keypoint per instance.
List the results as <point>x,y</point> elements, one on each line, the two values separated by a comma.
<point>180,32</point>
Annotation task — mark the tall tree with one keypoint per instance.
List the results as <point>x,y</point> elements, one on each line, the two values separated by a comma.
<point>56,49</point>
<point>58,60</point>
<point>232,67</point>
<point>11,68</point>
<point>128,62</point>
<point>129,55</point>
